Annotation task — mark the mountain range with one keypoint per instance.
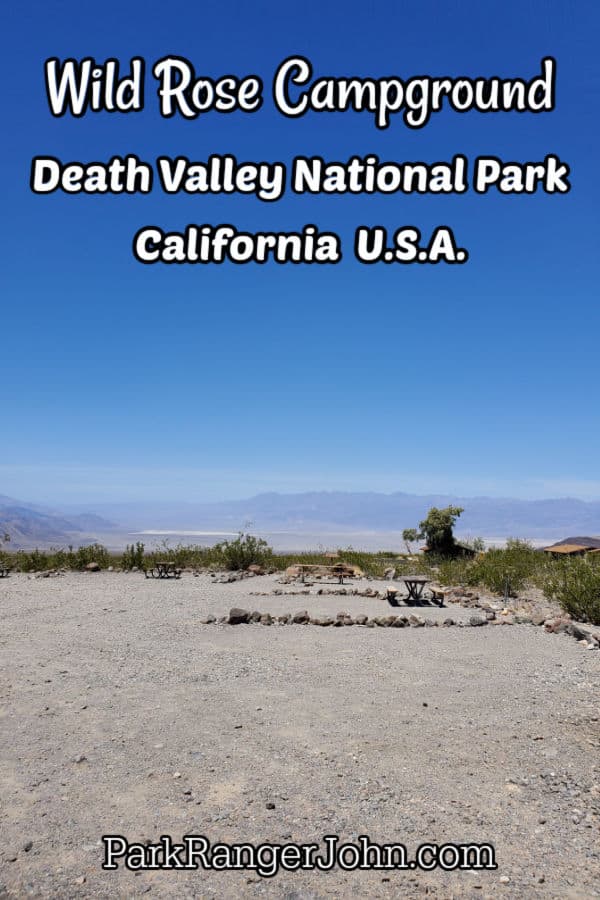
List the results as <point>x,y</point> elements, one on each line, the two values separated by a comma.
<point>29,525</point>
<point>318,512</point>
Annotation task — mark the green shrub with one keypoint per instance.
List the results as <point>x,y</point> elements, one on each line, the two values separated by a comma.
<point>242,552</point>
<point>58,558</point>
<point>507,570</point>
<point>575,584</point>
<point>133,557</point>
<point>92,553</point>
<point>453,571</point>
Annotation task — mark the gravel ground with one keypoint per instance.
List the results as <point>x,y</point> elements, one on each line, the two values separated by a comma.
<point>120,713</point>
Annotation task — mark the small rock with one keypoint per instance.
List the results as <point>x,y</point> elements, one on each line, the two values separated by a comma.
<point>582,633</point>
<point>238,616</point>
<point>477,621</point>
<point>270,805</point>
<point>301,617</point>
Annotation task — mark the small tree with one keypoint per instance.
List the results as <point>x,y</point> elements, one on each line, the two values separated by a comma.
<point>409,536</point>
<point>437,530</point>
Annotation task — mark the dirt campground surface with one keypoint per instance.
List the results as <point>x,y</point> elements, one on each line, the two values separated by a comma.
<point>122,714</point>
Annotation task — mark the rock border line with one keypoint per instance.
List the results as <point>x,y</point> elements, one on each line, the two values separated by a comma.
<point>588,636</point>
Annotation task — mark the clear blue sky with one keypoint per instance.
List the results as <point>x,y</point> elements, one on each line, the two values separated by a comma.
<point>128,381</point>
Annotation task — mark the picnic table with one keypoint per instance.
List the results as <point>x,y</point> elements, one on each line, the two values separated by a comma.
<point>338,571</point>
<point>164,569</point>
<point>415,586</point>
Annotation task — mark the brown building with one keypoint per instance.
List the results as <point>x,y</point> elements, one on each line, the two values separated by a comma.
<point>574,546</point>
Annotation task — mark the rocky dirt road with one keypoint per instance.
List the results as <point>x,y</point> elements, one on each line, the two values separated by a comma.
<point>120,713</point>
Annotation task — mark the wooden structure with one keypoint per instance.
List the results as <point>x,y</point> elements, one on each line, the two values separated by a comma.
<point>415,586</point>
<point>164,569</point>
<point>574,546</point>
<point>338,571</point>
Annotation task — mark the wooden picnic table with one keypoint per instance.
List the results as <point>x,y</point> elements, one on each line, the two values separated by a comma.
<point>313,568</point>
<point>415,585</point>
<point>164,569</point>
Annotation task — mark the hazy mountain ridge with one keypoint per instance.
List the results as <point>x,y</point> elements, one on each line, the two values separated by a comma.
<point>312,513</point>
<point>29,525</point>
<point>360,511</point>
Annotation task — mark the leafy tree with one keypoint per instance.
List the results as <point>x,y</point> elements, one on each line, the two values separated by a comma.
<point>409,536</point>
<point>437,530</point>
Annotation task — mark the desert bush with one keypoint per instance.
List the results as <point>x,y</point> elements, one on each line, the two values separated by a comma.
<point>509,569</point>
<point>59,558</point>
<point>242,552</point>
<point>453,571</point>
<point>575,584</point>
<point>133,557</point>
<point>96,553</point>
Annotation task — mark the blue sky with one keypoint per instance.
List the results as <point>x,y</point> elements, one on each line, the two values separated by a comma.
<point>124,381</point>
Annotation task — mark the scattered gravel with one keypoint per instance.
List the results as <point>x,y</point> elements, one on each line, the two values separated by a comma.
<point>122,712</point>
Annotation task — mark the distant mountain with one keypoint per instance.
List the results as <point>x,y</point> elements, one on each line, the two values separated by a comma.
<point>29,525</point>
<point>325,511</point>
<point>317,513</point>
